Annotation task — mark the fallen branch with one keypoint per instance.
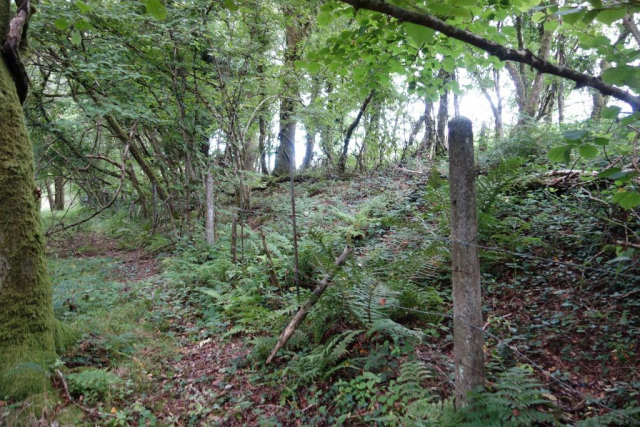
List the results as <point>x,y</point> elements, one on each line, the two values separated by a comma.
<point>306,307</point>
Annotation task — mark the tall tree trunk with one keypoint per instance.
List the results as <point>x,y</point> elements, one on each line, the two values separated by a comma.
<point>561,61</point>
<point>50,197</point>
<point>345,147</point>
<point>310,127</point>
<point>429,138</point>
<point>286,158</point>
<point>27,325</point>
<point>443,117</point>
<point>262,139</point>
<point>59,197</point>
<point>599,100</point>
<point>456,97</point>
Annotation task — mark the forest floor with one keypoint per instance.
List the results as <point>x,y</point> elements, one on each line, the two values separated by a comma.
<point>153,351</point>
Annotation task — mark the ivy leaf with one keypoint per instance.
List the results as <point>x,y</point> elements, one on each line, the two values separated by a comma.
<point>156,9</point>
<point>61,24</point>
<point>419,34</point>
<point>588,151</point>
<point>611,112</point>
<point>559,154</point>
<point>76,38</point>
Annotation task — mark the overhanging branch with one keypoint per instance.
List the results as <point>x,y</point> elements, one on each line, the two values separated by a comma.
<point>498,50</point>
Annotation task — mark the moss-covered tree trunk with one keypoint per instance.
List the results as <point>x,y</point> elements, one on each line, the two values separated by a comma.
<point>27,326</point>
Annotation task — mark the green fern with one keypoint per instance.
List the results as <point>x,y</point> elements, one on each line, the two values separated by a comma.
<point>323,360</point>
<point>497,180</point>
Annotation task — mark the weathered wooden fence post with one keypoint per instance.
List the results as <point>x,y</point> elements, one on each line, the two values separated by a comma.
<point>467,295</point>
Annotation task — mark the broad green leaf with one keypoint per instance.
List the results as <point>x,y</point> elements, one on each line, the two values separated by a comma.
<point>538,17</point>
<point>601,141</point>
<point>588,151</point>
<point>61,24</point>
<point>300,64</point>
<point>608,172</point>
<point>314,67</point>
<point>84,8</point>
<point>609,16</point>
<point>627,199</point>
<point>551,25</point>
<point>156,9</point>
<point>558,154</point>
<point>324,18</point>
<point>622,75</point>
<point>83,25</point>
<point>574,135</point>
<point>419,34</point>
<point>610,112</point>
<point>76,38</point>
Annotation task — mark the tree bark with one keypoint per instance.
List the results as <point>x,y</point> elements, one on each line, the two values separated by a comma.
<point>286,158</point>
<point>27,325</point>
<point>599,100</point>
<point>345,146</point>
<point>59,196</point>
<point>443,117</point>
<point>50,196</point>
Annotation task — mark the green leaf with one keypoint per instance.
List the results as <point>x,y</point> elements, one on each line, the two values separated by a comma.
<point>61,24</point>
<point>609,16</point>
<point>314,67</point>
<point>601,141</point>
<point>76,38</point>
<point>627,199</point>
<point>538,17</point>
<point>419,34</point>
<point>231,5</point>
<point>156,9</point>
<point>558,154</point>
<point>83,25</point>
<point>300,64</point>
<point>612,173</point>
<point>324,18</point>
<point>588,151</point>
<point>84,8</point>
<point>611,112</point>
<point>622,75</point>
<point>574,135</point>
